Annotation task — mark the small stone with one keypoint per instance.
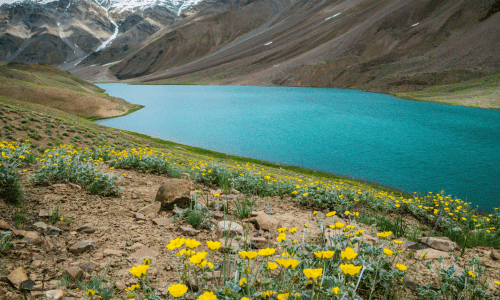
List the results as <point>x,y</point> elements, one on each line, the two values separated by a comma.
<point>74,186</point>
<point>141,221</point>
<point>27,285</point>
<point>230,228</point>
<point>120,285</point>
<point>163,221</point>
<point>320,215</point>
<point>495,254</point>
<point>261,243</point>
<point>52,230</point>
<point>143,253</point>
<point>432,253</point>
<point>82,246</point>
<point>74,274</point>
<point>440,243</point>
<point>265,221</point>
<point>41,225</point>
<point>17,276</point>
<point>91,265</point>
<point>217,215</point>
<point>37,263</point>
<point>136,246</point>
<point>139,216</point>
<point>186,176</point>
<point>44,213</point>
<point>112,252</point>
<point>31,237</point>
<point>150,210</point>
<point>134,196</point>
<point>4,225</point>
<point>86,228</point>
<point>188,230</point>
<point>55,294</point>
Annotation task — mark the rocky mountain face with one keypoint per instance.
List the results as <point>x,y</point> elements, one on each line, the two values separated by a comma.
<point>64,32</point>
<point>386,46</point>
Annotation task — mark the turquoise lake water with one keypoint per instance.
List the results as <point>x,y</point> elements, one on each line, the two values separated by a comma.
<point>410,146</point>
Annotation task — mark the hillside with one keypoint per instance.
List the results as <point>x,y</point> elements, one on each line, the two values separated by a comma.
<point>382,46</point>
<point>46,85</point>
<point>90,212</point>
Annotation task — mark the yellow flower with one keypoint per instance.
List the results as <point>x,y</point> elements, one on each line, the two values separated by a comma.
<point>324,255</point>
<point>207,296</point>
<point>388,252</point>
<point>359,233</point>
<point>272,265</point>
<point>198,258</point>
<point>283,296</point>
<point>281,237</point>
<point>398,242</point>
<point>90,292</point>
<point>213,245</point>
<point>401,267</point>
<point>216,194</point>
<point>244,298</point>
<point>243,281</point>
<point>313,274</point>
<point>339,225</point>
<point>471,274</point>
<point>139,270</point>
<point>306,225</point>
<point>350,269</point>
<point>497,282</point>
<point>146,261</point>
<point>282,229</point>
<point>177,290</point>
<point>191,243</point>
<point>384,234</point>
<point>330,214</point>
<point>112,168</point>
<point>305,194</point>
<point>287,263</point>
<point>248,254</point>
<point>206,264</point>
<point>335,291</point>
<point>293,230</point>
<point>267,252</point>
<point>347,213</point>
<point>174,244</point>
<point>348,254</point>
<point>315,213</point>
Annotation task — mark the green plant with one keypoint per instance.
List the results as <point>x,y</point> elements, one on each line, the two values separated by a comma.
<point>5,241</point>
<point>398,226</point>
<point>54,217</point>
<point>10,186</point>
<point>20,216</point>
<point>196,215</point>
<point>100,285</point>
<point>244,207</point>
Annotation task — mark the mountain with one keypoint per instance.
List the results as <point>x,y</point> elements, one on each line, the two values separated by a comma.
<point>74,32</point>
<point>385,46</point>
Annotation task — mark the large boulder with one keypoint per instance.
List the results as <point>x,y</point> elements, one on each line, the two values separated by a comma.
<point>174,192</point>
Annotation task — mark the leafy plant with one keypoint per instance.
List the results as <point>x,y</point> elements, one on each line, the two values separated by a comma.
<point>398,226</point>
<point>5,241</point>
<point>244,207</point>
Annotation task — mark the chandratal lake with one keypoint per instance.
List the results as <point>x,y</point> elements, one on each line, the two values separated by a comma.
<point>407,145</point>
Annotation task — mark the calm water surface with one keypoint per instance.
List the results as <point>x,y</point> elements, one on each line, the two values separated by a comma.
<point>411,146</point>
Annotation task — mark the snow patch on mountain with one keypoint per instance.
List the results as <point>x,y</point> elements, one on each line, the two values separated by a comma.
<point>124,5</point>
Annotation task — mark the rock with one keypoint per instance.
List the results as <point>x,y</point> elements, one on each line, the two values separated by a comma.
<point>52,230</point>
<point>139,217</point>
<point>494,254</point>
<point>41,225</point>
<point>174,192</point>
<point>4,225</point>
<point>150,210</point>
<point>229,245</point>
<point>91,265</point>
<point>36,263</point>
<point>82,246</point>
<point>432,253</point>
<point>188,230</point>
<point>261,243</point>
<point>44,213</point>
<point>86,228</point>
<point>55,294</point>
<point>136,246</point>
<point>320,215</point>
<point>229,228</point>
<point>163,221</point>
<point>134,196</point>
<point>27,285</point>
<point>31,237</point>
<point>141,221</point>
<point>186,176</point>
<point>17,276</point>
<point>74,274</point>
<point>120,285</point>
<point>47,243</point>
<point>111,252</point>
<point>265,222</point>
<point>143,253</point>
<point>74,186</point>
<point>217,215</point>
<point>440,243</point>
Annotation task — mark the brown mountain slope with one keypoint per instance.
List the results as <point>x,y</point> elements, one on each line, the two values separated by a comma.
<point>46,85</point>
<point>386,46</point>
